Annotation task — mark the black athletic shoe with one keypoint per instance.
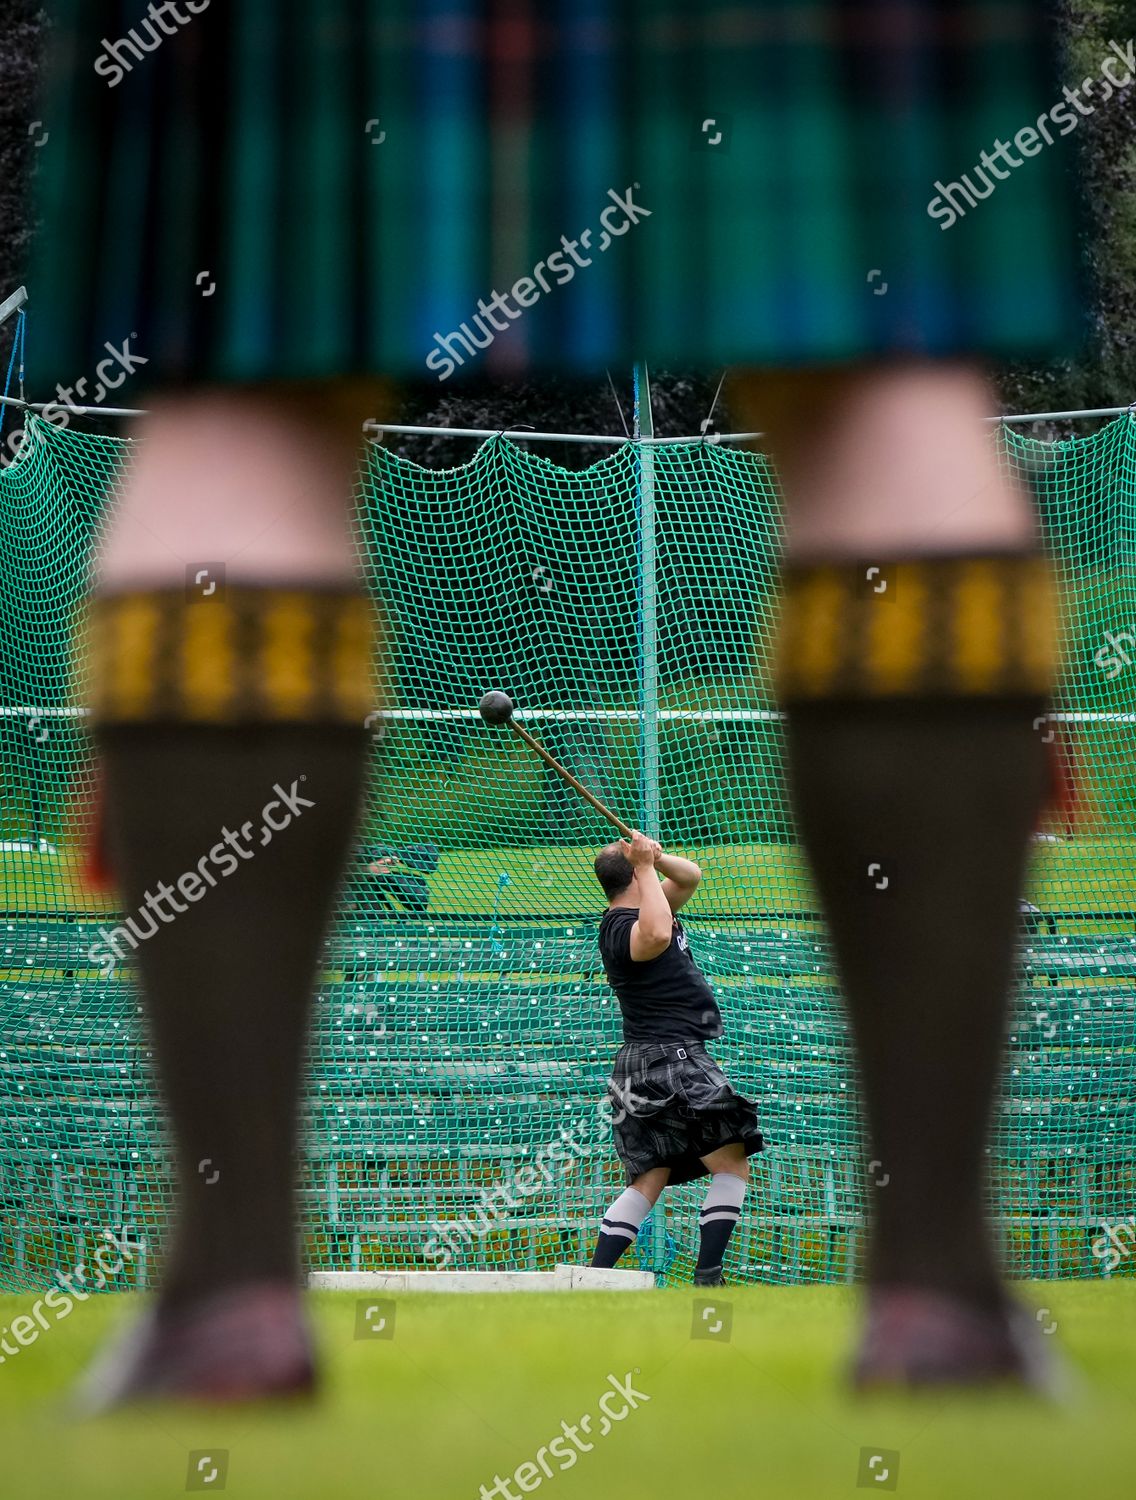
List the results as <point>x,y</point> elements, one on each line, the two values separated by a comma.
<point>711,1277</point>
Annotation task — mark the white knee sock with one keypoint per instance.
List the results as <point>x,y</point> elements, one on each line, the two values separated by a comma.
<point>721,1210</point>
<point>620,1226</point>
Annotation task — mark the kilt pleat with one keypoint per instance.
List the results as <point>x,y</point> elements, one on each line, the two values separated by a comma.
<point>673,1105</point>
<point>352,179</point>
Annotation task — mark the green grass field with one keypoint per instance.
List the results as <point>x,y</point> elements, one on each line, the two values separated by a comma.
<point>470,1388</point>
<point>1081,875</point>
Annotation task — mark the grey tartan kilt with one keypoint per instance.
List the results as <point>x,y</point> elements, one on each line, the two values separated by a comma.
<point>672,1104</point>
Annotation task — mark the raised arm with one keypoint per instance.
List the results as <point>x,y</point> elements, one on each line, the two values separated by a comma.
<point>681,878</point>
<point>651,934</point>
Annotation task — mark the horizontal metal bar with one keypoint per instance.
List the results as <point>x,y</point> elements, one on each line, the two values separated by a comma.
<point>378,428</point>
<point>44,713</point>
<point>77,411</point>
<point>593,715</point>
<point>555,437</point>
<point>13,303</point>
<point>1068,416</point>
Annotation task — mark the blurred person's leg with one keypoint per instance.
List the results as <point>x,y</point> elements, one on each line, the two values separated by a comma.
<point>768,270</point>
<point>914,660</point>
<point>229,717</point>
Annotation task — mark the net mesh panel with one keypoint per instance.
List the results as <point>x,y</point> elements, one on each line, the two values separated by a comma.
<point>463,1028</point>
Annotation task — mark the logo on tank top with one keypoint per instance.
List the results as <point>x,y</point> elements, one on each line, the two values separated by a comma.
<point>680,940</point>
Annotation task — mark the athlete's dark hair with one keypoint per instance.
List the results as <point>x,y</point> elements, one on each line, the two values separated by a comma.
<point>614,870</point>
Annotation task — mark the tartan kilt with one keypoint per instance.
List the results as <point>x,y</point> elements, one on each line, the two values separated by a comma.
<point>673,1105</point>
<point>287,190</point>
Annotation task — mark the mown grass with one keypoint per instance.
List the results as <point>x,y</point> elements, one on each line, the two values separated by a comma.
<point>472,1387</point>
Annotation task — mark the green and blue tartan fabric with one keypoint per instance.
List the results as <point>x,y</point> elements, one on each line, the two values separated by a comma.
<point>281,189</point>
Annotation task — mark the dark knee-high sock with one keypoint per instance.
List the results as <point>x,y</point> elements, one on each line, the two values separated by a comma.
<point>721,1210</point>
<point>228,911</point>
<point>917,775</point>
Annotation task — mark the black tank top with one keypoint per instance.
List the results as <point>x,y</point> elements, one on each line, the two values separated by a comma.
<point>665,999</point>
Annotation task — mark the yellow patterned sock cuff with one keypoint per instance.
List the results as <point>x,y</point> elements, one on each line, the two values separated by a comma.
<point>247,655</point>
<point>933,627</point>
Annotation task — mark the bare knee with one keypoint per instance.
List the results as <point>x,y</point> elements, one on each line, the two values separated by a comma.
<point>877,459</point>
<point>729,1161</point>
<point>652,1183</point>
<point>251,478</point>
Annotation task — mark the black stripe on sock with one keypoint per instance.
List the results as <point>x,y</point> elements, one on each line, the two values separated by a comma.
<point>610,1224</point>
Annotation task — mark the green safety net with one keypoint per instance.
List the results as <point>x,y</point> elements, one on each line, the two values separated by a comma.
<point>463,1027</point>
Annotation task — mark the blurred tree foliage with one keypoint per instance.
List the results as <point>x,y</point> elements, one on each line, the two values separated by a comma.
<point>1105,373</point>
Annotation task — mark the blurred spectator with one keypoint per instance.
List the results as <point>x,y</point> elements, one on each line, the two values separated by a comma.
<point>399,878</point>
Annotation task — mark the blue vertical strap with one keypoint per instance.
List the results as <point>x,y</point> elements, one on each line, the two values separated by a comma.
<point>660,1258</point>
<point>21,331</point>
<point>496,946</point>
<point>17,353</point>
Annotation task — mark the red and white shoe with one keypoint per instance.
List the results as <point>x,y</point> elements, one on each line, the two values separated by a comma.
<point>248,1343</point>
<point>916,1339</point>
